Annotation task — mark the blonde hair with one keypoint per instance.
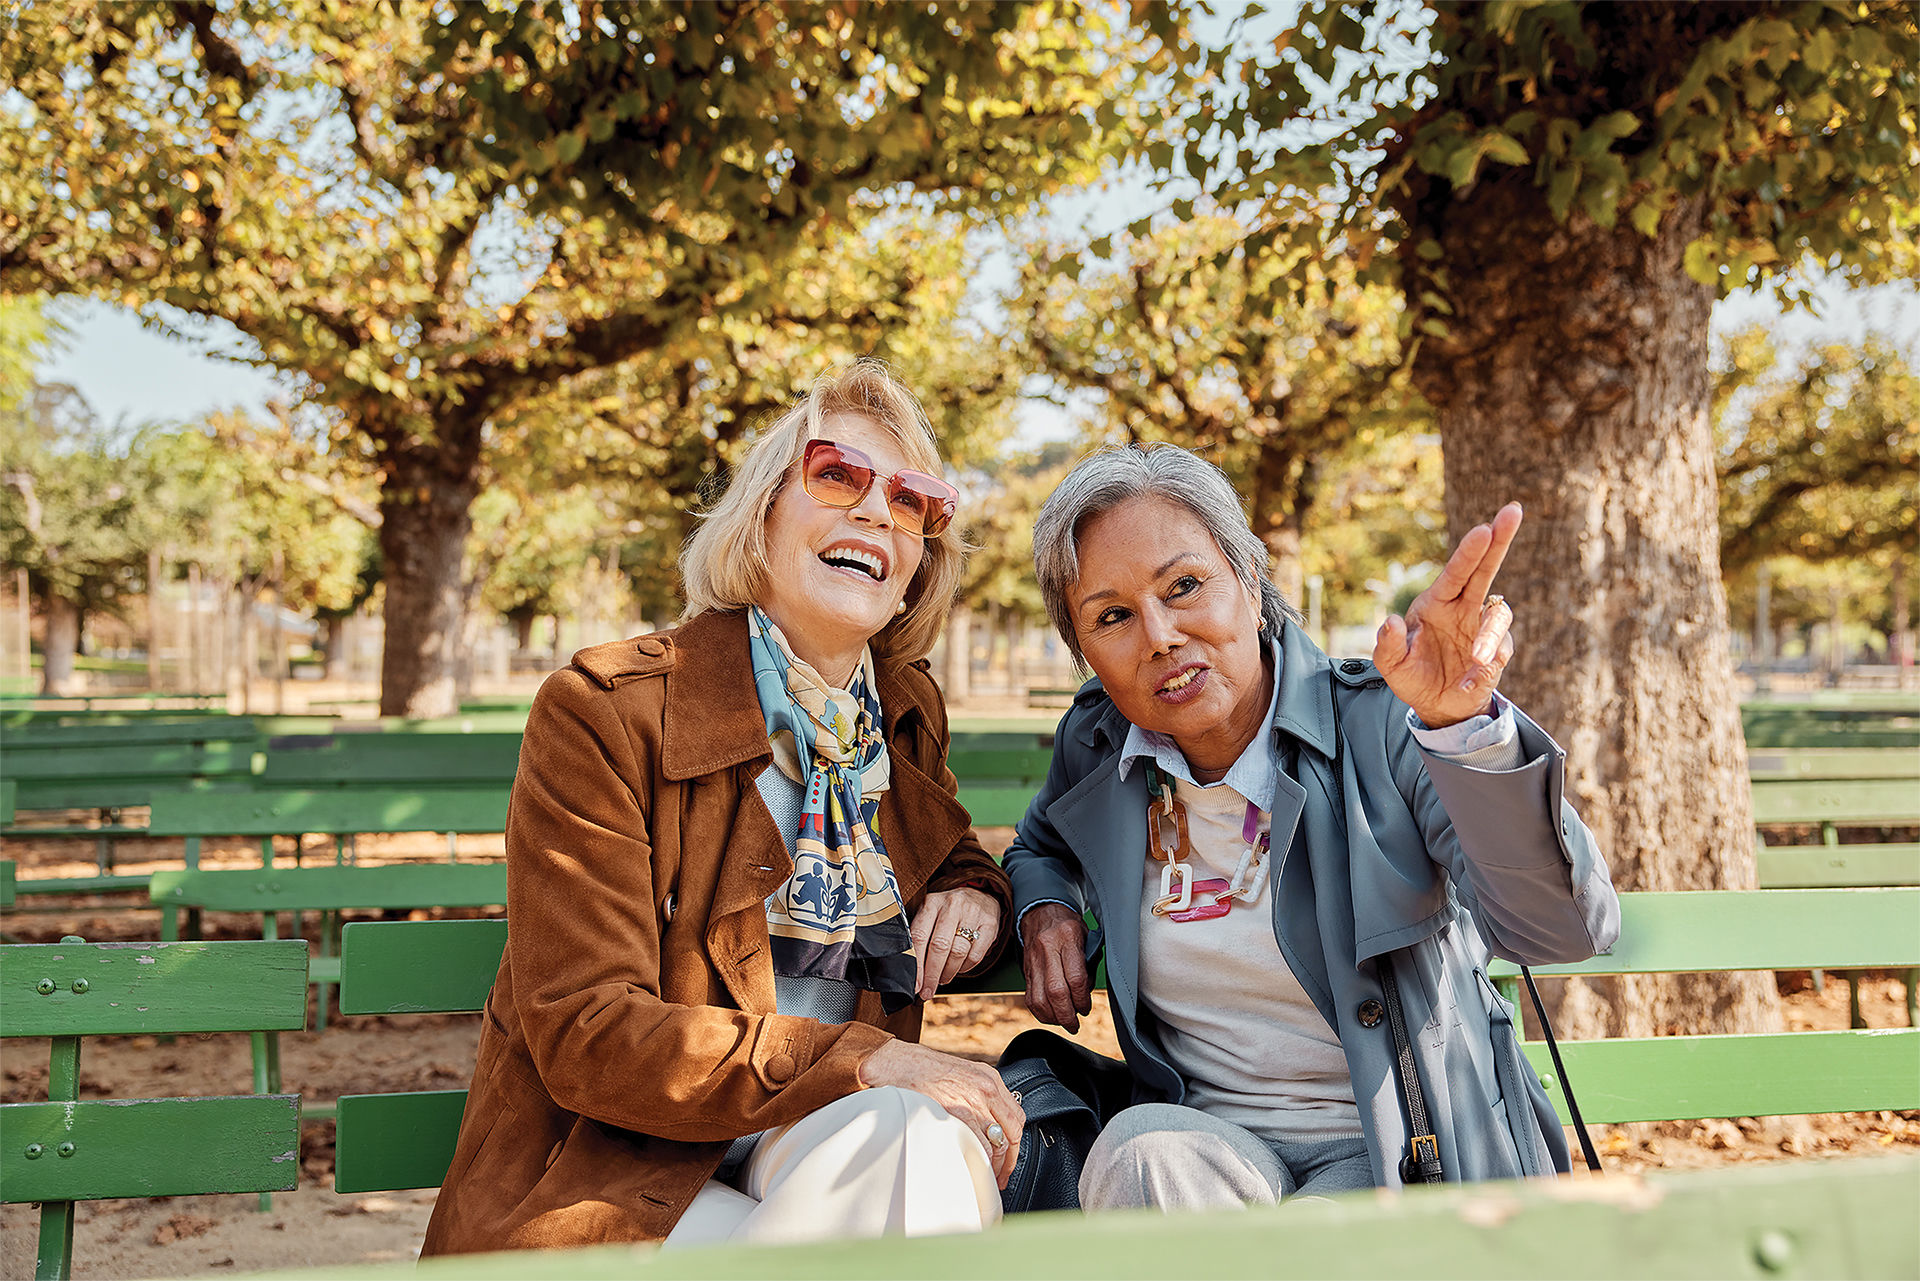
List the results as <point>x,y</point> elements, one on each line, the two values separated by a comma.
<point>724,564</point>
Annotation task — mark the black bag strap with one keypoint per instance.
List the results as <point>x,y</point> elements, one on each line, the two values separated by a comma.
<point>1566,1086</point>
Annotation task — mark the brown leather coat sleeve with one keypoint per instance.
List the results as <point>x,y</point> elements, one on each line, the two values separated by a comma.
<point>585,951</point>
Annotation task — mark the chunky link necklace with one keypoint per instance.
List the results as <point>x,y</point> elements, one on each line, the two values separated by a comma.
<point>1169,843</point>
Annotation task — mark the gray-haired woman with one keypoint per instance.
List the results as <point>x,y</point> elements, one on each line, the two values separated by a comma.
<point>1287,855</point>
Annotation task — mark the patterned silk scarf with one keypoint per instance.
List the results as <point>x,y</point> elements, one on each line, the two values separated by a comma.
<point>839,916</point>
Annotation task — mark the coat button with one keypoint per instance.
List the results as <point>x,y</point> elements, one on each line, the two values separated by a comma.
<point>1353,667</point>
<point>1370,1013</point>
<point>651,648</point>
<point>780,1068</point>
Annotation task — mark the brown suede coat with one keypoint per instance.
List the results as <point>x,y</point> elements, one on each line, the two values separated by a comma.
<point>631,1031</point>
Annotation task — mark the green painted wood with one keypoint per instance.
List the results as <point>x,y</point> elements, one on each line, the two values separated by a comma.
<point>104,731</point>
<point>1852,801</point>
<point>9,798</point>
<point>82,885</point>
<point>412,967</point>
<point>1842,762</point>
<point>387,1142</point>
<point>152,988</point>
<point>392,759</point>
<point>292,812</point>
<point>1756,930</point>
<point>996,804</point>
<point>314,889</point>
<point>150,1147</point>
<point>1780,1219</point>
<point>1837,866</point>
<point>131,760</point>
<point>6,882</point>
<point>1015,723</point>
<point>1036,737</point>
<point>114,792</point>
<point>1679,1078</point>
<point>1000,765</point>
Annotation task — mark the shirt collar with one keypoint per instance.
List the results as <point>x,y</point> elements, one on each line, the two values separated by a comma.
<point>1252,775</point>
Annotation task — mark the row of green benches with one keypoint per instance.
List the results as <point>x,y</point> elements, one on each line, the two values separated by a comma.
<point>66,1150</point>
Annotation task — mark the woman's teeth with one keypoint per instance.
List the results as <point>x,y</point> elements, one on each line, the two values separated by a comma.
<point>850,558</point>
<point>1181,681</point>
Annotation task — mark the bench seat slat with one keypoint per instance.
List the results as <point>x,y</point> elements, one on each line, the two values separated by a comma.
<point>151,1147</point>
<point>1838,866</point>
<point>154,988</point>
<point>1684,1078</point>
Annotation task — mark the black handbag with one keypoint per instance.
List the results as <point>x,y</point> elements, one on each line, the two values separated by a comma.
<point>1068,1093</point>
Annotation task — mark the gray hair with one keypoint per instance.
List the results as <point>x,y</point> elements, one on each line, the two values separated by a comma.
<point>1118,474</point>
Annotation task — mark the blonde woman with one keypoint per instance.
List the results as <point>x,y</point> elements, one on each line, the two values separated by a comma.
<point>736,868</point>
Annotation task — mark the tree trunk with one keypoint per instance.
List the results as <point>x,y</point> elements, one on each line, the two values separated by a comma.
<point>1902,646</point>
<point>63,642</point>
<point>1280,500</point>
<point>336,647</point>
<point>426,513</point>
<point>1575,380</point>
<point>954,681</point>
<point>1016,672</point>
<point>154,565</point>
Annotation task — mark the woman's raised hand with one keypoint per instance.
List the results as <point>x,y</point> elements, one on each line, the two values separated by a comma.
<point>1444,659</point>
<point>952,930</point>
<point>971,1091</point>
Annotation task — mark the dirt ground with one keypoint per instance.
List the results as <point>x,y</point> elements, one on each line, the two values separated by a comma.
<point>314,1226</point>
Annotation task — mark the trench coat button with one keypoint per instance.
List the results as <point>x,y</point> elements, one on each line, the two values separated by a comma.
<point>780,1068</point>
<point>1353,667</point>
<point>651,648</point>
<point>1370,1013</point>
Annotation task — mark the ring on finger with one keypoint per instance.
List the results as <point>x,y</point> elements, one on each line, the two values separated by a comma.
<point>1494,601</point>
<point>964,933</point>
<point>996,1136</point>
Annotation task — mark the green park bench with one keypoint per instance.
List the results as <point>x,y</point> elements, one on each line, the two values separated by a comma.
<point>1830,1218</point>
<point>486,759</point>
<point>126,701</point>
<point>67,1149</point>
<point>1840,791</point>
<point>387,1142</point>
<point>1891,720</point>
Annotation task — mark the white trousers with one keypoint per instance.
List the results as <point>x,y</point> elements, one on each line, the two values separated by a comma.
<point>880,1162</point>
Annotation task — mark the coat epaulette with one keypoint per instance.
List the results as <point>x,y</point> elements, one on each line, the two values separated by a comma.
<point>1357,672</point>
<point>620,660</point>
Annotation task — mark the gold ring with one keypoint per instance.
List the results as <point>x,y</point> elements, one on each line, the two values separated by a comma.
<point>969,935</point>
<point>1493,602</point>
<point>996,1137</point>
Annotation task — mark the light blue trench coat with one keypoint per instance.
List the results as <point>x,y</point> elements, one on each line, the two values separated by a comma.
<point>1422,864</point>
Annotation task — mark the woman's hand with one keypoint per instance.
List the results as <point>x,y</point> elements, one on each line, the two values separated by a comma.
<point>971,1091</point>
<point>1445,658</point>
<point>943,950</point>
<point>1054,957</point>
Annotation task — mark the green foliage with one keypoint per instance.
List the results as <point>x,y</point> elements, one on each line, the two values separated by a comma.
<point>1772,135</point>
<point>1269,372</point>
<point>1818,458</point>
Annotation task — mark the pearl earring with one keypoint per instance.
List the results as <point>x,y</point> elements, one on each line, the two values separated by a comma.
<point>901,608</point>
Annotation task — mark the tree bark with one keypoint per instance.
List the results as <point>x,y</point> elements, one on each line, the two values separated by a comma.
<point>63,642</point>
<point>955,679</point>
<point>1281,496</point>
<point>336,646</point>
<point>426,513</point>
<point>1575,380</point>
<point>154,564</point>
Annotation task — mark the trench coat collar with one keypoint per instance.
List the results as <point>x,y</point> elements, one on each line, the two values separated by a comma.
<point>713,717</point>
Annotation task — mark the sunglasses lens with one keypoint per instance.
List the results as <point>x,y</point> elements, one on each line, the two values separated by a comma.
<point>833,478</point>
<point>925,503</point>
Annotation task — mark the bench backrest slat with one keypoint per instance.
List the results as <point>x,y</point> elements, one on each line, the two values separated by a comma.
<point>423,967</point>
<point>392,758</point>
<point>151,1147</point>
<point>1856,802</point>
<point>1711,930</point>
<point>315,889</point>
<point>1769,763</point>
<point>152,988</point>
<point>1838,866</point>
<point>396,1141</point>
<point>274,812</point>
